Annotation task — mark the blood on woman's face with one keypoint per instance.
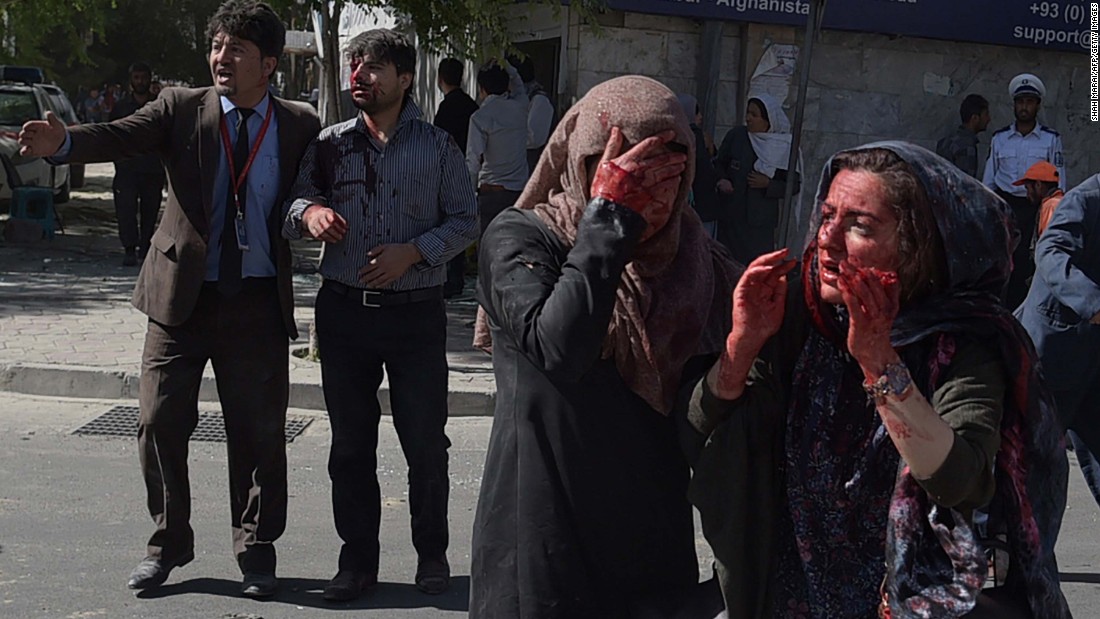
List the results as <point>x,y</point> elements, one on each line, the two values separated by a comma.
<point>859,226</point>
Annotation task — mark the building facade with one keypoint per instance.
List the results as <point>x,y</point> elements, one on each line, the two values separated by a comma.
<point>863,87</point>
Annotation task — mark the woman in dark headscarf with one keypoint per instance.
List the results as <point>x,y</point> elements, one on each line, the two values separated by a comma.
<point>604,302</point>
<point>856,423</point>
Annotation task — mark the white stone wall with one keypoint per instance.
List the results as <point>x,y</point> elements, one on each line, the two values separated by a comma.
<point>863,87</point>
<point>867,87</point>
<point>664,48</point>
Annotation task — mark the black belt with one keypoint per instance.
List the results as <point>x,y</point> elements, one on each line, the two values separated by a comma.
<point>384,298</point>
<point>247,284</point>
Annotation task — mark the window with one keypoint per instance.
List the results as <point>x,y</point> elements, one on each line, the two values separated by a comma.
<point>17,107</point>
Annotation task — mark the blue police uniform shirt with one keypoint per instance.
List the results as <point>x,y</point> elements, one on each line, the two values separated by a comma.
<point>1011,154</point>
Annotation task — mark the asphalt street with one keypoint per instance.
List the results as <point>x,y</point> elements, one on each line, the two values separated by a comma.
<point>73,524</point>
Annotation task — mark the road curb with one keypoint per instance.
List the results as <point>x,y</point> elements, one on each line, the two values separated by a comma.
<point>76,381</point>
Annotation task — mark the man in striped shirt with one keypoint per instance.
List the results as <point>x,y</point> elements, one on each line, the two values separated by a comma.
<point>391,198</point>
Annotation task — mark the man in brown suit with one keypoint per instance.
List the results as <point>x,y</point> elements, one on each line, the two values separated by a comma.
<point>215,285</point>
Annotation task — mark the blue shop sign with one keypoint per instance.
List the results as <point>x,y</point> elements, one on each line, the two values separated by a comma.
<point>1055,25</point>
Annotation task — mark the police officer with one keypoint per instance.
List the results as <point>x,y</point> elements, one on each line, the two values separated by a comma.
<point>1012,151</point>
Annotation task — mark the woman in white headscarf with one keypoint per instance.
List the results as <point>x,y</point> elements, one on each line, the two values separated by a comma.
<point>752,165</point>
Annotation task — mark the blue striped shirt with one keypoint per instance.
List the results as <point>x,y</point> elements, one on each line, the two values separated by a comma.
<point>413,189</point>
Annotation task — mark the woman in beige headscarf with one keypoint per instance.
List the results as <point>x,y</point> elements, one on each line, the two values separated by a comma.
<point>603,300</point>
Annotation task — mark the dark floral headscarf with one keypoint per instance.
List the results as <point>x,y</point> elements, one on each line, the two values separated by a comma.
<point>935,566</point>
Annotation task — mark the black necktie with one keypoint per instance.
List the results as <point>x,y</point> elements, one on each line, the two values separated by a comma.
<point>229,264</point>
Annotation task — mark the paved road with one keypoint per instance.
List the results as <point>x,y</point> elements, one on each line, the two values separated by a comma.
<point>72,524</point>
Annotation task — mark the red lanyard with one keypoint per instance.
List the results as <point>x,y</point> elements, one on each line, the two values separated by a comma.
<point>239,180</point>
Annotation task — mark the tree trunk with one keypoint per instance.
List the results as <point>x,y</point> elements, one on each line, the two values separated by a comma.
<point>330,83</point>
<point>314,349</point>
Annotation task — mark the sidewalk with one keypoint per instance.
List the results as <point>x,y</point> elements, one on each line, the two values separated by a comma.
<point>67,328</point>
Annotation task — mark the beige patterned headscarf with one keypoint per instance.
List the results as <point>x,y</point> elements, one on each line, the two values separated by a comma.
<point>674,298</point>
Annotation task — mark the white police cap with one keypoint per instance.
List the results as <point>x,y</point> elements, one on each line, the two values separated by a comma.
<point>1026,84</point>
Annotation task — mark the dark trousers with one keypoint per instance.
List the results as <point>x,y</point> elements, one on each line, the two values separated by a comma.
<point>491,203</point>
<point>1023,263</point>
<point>137,194</point>
<point>245,339</point>
<point>456,275</point>
<point>1090,468</point>
<point>1077,412</point>
<point>355,343</point>
<point>533,155</point>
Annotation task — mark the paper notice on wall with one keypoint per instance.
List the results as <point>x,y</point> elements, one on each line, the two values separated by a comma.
<point>774,72</point>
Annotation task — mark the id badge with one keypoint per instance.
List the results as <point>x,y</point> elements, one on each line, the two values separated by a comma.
<point>242,234</point>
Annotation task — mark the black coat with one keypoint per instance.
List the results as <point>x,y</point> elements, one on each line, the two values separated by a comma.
<point>453,116</point>
<point>706,177</point>
<point>583,506</point>
<point>748,217</point>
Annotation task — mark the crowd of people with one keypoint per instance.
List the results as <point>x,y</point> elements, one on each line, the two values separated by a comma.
<point>97,103</point>
<point>857,425</point>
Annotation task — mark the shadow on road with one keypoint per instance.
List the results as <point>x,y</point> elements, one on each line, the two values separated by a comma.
<point>307,592</point>
<point>1084,577</point>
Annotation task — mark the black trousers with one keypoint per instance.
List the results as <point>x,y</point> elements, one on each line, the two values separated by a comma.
<point>137,194</point>
<point>491,203</point>
<point>245,339</point>
<point>355,343</point>
<point>456,275</point>
<point>1023,262</point>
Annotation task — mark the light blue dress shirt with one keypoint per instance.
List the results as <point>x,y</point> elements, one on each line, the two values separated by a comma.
<point>263,190</point>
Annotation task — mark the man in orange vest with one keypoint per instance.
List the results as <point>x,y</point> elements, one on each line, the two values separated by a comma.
<point>1041,182</point>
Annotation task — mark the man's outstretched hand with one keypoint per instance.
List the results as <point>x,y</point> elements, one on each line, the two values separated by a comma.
<point>42,138</point>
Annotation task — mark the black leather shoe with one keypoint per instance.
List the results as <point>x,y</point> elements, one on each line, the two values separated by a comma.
<point>259,585</point>
<point>433,576</point>
<point>348,585</point>
<point>152,572</point>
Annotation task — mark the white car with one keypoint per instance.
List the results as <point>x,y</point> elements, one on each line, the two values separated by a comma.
<point>18,104</point>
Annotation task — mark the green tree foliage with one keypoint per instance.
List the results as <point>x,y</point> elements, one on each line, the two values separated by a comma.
<point>31,29</point>
<point>474,29</point>
<point>91,42</point>
<point>81,43</point>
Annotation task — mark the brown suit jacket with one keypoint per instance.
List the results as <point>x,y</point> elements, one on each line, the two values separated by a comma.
<point>181,126</point>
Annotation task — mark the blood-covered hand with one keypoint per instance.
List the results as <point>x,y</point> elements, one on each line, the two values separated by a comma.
<point>873,299</point>
<point>324,224</point>
<point>759,300</point>
<point>644,179</point>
